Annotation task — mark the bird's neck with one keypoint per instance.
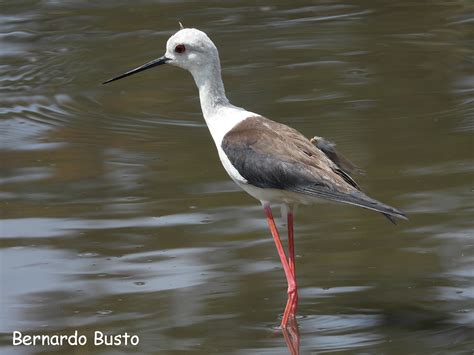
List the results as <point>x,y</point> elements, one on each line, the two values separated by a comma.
<point>211,89</point>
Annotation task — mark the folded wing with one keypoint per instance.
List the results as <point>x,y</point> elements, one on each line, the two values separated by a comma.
<point>272,155</point>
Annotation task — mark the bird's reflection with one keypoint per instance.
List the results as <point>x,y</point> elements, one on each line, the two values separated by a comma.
<point>291,334</point>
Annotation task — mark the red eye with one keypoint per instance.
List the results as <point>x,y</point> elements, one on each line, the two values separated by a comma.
<point>180,48</point>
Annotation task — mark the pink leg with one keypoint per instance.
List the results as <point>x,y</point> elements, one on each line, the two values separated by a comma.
<point>290,305</point>
<point>291,243</point>
<point>291,252</point>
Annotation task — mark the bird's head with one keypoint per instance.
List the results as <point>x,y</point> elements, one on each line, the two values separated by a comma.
<point>189,48</point>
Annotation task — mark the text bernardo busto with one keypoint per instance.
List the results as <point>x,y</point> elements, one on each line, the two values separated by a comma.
<point>75,339</point>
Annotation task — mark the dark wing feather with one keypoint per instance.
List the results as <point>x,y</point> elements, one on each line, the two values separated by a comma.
<point>329,148</point>
<point>356,198</point>
<point>271,155</point>
<point>345,166</point>
<point>347,178</point>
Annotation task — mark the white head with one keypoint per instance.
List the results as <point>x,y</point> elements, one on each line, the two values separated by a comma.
<point>189,49</point>
<point>192,50</point>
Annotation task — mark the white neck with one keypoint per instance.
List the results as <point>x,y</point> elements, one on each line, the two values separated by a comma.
<point>220,115</point>
<point>211,88</point>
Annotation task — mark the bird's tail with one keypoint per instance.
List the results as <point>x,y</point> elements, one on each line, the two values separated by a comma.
<point>355,197</point>
<point>360,199</point>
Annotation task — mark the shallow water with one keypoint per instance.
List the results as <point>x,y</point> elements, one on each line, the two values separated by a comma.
<point>117,216</point>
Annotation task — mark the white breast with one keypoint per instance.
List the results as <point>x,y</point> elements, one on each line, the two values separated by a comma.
<point>224,119</point>
<point>219,124</point>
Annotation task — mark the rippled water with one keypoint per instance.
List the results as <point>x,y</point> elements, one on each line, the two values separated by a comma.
<point>117,216</point>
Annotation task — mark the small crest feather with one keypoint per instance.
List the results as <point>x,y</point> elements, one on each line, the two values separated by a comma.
<point>181,27</point>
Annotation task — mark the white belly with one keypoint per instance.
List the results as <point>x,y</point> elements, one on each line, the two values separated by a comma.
<point>277,196</point>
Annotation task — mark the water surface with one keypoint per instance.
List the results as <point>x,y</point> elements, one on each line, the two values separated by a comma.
<point>117,216</point>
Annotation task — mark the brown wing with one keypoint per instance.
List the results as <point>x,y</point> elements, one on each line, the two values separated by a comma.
<point>272,155</point>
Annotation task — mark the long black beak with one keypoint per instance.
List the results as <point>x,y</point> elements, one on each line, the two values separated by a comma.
<point>153,63</point>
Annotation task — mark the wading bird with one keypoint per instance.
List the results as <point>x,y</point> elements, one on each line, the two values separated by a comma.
<point>274,163</point>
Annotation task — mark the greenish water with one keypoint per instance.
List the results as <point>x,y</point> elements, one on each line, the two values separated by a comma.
<point>117,216</point>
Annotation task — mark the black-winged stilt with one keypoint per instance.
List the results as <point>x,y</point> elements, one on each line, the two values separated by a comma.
<point>271,161</point>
